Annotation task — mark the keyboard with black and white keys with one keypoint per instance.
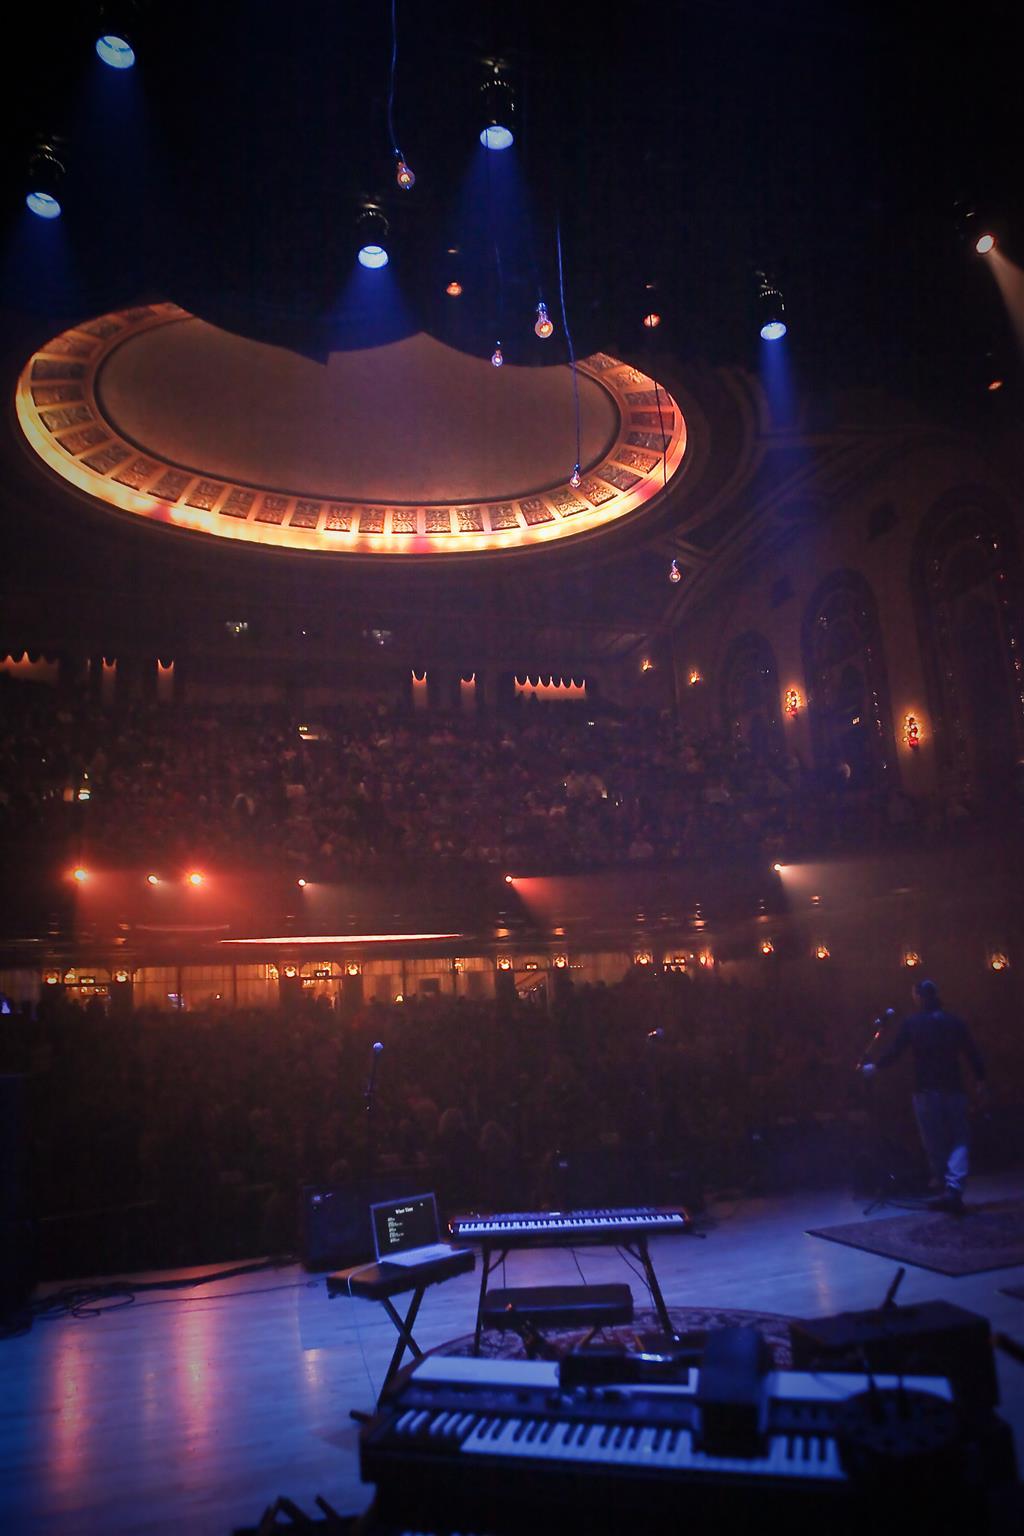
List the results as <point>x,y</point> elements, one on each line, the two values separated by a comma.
<point>492,1439</point>
<point>522,1229</point>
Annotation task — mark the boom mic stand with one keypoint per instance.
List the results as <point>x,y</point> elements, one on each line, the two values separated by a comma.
<point>886,1188</point>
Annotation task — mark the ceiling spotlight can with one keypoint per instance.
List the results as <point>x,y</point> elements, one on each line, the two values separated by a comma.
<point>771,310</point>
<point>115,50</point>
<point>498,113</point>
<point>46,172</point>
<point>544,326</point>
<point>372,236</point>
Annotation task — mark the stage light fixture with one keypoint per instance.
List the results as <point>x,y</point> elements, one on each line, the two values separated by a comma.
<point>508,879</point>
<point>115,50</point>
<point>403,175</point>
<point>993,385</point>
<point>46,173</point>
<point>301,884</point>
<point>545,325</point>
<point>652,320</point>
<point>80,874</point>
<point>152,879</point>
<point>778,868</point>
<point>498,113</point>
<point>497,356</point>
<point>373,230</point>
<point>195,878</point>
<point>771,309</point>
<point>985,244</point>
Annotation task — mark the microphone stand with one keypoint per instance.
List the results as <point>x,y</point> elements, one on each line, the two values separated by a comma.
<point>886,1188</point>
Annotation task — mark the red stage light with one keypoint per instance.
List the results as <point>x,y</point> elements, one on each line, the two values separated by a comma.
<point>195,878</point>
<point>81,874</point>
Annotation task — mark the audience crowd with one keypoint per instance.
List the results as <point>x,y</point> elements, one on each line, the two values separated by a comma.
<point>544,788</point>
<point>210,1123</point>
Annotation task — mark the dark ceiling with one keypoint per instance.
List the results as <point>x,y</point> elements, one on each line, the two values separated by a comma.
<point>684,145</point>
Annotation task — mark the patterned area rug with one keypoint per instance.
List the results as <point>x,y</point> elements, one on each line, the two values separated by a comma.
<point>989,1236</point>
<point>692,1323</point>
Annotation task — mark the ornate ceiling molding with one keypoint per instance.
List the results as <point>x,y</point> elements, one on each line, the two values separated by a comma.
<point>60,412</point>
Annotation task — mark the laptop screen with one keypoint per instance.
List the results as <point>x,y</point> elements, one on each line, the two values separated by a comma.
<point>399,1225</point>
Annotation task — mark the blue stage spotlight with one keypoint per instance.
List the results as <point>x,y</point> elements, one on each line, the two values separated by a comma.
<point>771,310</point>
<point>499,113</point>
<point>115,51</point>
<point>45,176</point>
<point>372,249</point>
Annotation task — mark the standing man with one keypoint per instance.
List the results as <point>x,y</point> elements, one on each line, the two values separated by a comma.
<point>937,1040</point>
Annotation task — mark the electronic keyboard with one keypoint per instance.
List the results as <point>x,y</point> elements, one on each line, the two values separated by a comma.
<point>500,1445</point>
<point>543,1229</point>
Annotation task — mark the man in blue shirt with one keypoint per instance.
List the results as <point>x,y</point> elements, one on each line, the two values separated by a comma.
<point>937,1040</point>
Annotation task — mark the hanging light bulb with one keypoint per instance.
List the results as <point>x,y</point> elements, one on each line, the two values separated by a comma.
<point>454,289</point>
<point>575,477</point>
<point>674,573</point>
<point>403,175</point>
<point>545,325</point>
<point>497,356</point>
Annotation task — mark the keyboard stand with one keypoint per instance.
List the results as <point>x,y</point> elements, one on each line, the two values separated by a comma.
<point>379,1282</point>
<point>492,1256</point>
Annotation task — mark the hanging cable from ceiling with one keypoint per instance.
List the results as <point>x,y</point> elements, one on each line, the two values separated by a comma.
<point>575,477</point>
<point>403,175</point>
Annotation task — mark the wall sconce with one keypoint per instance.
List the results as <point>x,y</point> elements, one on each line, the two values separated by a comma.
<point>767,947</point>
<point>998,961</point>
<point>647,665</point>
<point>52,978</point>
<point>643,957</point>
<point>353,968</point>
<point>911,732</point>
<point>821,952</point>
<point>291,971</point>
<point>458,966</point>
<point>560,962</point>
<point>792,702</point>
<point>504,963</point>
<point>695,677</point>
<point>911,958</point>
<point>121,976</point>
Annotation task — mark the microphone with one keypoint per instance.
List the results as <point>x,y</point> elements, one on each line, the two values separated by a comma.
<point>371,1082</point>
<point>878,1025</point>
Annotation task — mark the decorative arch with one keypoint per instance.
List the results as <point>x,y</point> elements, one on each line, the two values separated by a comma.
<point>750,694</point>
<point>847,685</point>
<point>967,587</point>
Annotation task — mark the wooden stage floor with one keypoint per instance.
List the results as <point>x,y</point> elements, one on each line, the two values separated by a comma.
<point>191,1411</point>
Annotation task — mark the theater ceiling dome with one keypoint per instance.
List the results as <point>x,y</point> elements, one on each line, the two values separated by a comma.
<point>409,449</point>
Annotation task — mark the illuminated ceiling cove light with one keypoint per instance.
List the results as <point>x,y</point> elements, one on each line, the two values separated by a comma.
<point>115,51</point>
<point>373,256</point>
<point>43,205</point>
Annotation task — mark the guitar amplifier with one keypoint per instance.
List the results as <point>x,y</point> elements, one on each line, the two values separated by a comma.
<point>934,1337</point>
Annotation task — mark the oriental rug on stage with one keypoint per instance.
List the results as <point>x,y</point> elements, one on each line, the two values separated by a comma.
<point>986,1236</point>
<point>692,1324</point>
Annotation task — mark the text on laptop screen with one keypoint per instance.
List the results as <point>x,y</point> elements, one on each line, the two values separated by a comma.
<point>403,1224</point>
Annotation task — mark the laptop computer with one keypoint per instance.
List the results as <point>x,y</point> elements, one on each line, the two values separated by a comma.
<point>406,1231</point>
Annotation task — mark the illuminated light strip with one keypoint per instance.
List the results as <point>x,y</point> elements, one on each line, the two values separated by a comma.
<point>347,938</point>
<point>87,345</point>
